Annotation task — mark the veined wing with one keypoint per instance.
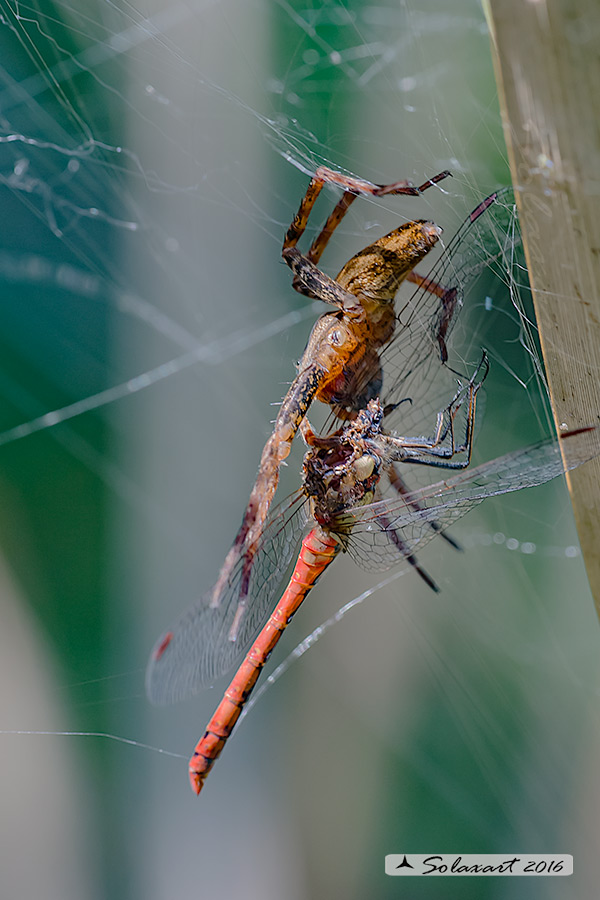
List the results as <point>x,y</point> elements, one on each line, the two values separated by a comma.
<point>414,361</point>
<point>416,379</point>
<point>373,544</point>
<point>198,649</point>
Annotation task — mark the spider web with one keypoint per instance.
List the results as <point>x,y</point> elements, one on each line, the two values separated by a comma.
<point>152,157</point>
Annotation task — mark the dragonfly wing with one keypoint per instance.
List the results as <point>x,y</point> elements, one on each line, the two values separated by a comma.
<point>413,370</point>
<point>418,516</point>
<point>199,648</point>
<point>410,374</point>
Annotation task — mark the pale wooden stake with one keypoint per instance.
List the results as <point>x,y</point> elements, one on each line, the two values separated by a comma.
<point>548,71</point>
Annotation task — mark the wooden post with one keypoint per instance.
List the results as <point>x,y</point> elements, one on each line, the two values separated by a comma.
<point>548,71</point>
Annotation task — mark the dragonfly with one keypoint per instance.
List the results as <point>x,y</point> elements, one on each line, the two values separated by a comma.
<point>340,365</point>
<point>339,509</point>
<point>410,374</point>
<point>368,344</point>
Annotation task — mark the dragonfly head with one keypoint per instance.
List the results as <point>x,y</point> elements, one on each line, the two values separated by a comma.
<point>343,471</point>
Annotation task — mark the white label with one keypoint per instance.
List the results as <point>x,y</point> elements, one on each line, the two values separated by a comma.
<point>525,864</point>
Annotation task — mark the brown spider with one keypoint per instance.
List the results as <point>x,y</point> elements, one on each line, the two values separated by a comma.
<point>340,365</point>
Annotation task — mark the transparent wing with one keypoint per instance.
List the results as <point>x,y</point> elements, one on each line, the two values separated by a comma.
<point>417,517</point>
<point>417,382</point>
<point>413,363</point>
<point>198,648</point>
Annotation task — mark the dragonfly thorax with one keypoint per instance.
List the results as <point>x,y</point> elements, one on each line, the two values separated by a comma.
<point>342,472</point>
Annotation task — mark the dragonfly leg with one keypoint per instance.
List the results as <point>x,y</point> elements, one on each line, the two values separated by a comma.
<point>399,485</point>
<point>404,549</point>
<point>432,451</point>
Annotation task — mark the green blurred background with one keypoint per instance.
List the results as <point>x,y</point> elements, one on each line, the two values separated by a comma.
<point>152,158</point>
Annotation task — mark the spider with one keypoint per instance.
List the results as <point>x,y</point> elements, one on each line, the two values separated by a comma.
<point>340,365</point>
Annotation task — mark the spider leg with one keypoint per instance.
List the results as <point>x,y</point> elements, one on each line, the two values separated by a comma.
<point>360,186</point>
<point>309,435</point>
<point>321,286</point>
<point>348,197</point>
<point>322,239</point>
<point>312,439</point>
<point>427,284</point>
<point>352,188</point>
<point>291,413</point>
<point>449,298</point>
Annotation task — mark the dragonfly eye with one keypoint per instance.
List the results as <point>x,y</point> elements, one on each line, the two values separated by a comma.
<point>363,467</point>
